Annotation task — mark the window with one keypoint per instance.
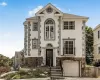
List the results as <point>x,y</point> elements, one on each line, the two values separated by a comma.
<point>34,43</point>
<point>68,47</point>
<point>99,50</point>
<point>49,10</point>
<point>35,26</point>
<point>98,34</point>
<point>49,30</point>
<point>69,24</point>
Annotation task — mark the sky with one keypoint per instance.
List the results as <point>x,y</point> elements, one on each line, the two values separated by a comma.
<point>14,12</point>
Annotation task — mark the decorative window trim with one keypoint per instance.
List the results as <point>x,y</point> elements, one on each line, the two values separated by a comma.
<point>49,10</point>
<point>72,39</point>
<point>35,26</point>
<point>49,30</point>
<point>68,25</point>
<point>36,44</point>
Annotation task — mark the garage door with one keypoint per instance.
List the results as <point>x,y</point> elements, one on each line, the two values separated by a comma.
<point>71,68</point>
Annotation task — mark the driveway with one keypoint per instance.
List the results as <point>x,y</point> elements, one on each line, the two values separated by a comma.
<point>82,78</point>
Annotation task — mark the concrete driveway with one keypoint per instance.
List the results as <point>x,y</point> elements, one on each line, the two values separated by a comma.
<point>82,78</point>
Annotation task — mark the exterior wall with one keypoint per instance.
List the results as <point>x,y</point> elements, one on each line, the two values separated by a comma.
<point>18,59</point>
<point>96,44</point>
<point>30,34</point>
<point>57,44</point>
<point>73,34</point>
<point>43,43</point>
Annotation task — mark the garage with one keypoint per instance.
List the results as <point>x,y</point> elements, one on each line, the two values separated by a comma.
<point>71,68</point>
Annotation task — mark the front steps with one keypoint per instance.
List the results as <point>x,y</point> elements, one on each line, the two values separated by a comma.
<point>56,73</point>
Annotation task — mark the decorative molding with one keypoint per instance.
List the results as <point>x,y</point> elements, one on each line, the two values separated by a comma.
<point>39,37</point>
<point>29,24</point>
<point>25,39</point>
<point>54,30</point>
<point>59,38</point>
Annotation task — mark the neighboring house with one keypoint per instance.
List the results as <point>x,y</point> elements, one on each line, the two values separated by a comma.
<point>19,58</point>
<point>52,36</point>
<point>96,32</point>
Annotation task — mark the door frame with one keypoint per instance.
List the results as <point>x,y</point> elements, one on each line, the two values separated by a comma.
<point>50,58</point>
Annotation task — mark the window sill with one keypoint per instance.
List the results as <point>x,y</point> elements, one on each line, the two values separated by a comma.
<point>49,39</point>
<point>34,48</point>
<point>69,55</point>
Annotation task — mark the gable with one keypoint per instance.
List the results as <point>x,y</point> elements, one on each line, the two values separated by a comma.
<point>97,27</point>
<point>41,11</point>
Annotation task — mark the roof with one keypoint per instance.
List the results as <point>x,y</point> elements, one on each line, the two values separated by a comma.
<point>98,26</point>
<point>66,15</point>
<point>33,18</point>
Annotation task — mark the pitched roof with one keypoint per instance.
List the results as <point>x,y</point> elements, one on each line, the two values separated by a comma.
<point>66,15</point>
<point>48,5</point>
<point>98,26</point>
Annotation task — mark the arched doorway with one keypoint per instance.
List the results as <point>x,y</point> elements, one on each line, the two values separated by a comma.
<point>49,55</point>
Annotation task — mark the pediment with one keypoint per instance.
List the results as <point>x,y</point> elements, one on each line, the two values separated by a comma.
<point>48,7</point>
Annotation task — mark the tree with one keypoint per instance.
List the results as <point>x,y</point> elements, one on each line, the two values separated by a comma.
<point>5,61</point>
<point>89,45</point>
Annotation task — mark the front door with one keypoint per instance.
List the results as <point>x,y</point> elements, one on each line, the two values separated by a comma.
<point>49,57</point>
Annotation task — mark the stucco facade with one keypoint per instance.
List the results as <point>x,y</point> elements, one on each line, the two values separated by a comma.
<point>96,33</point>
<point>61,38</point>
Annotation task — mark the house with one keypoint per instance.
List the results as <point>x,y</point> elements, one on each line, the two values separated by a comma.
<point>19,58</point>
<point>53,38</point>
<point>96,33</point>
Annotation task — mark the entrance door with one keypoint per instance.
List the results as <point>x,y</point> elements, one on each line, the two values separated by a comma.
<point>49,57</point>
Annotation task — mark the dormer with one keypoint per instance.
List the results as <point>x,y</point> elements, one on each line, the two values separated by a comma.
<point>49,9</point>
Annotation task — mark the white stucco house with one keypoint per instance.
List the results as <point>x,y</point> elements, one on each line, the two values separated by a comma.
<point>96,33</point>
<point>52,36</point>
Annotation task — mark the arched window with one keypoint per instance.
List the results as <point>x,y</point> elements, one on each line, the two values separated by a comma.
<point>49,29</point>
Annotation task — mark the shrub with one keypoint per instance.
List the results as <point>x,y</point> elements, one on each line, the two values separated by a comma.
<point>4,69</point>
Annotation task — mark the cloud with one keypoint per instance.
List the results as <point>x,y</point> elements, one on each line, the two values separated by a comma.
<point>3,4</point>
<point>33,11</point>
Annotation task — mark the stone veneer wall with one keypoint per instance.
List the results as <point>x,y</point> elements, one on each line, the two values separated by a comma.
<point>33,61</point>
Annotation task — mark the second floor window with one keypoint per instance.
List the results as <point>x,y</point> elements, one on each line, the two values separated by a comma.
<point>69,25</point>
<point>49,29</point>
<point>68,47</point>
<point>34,43</point>
<point>35,26</point>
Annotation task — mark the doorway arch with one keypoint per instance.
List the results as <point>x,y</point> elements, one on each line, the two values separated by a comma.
<point>49,55</point>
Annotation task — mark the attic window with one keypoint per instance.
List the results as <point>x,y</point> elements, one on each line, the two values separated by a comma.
<point>49,10</point>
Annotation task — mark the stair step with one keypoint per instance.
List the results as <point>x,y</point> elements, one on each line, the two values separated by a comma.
<point>56,69</point>
<point>57,77</point>
<point>56,74</point>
